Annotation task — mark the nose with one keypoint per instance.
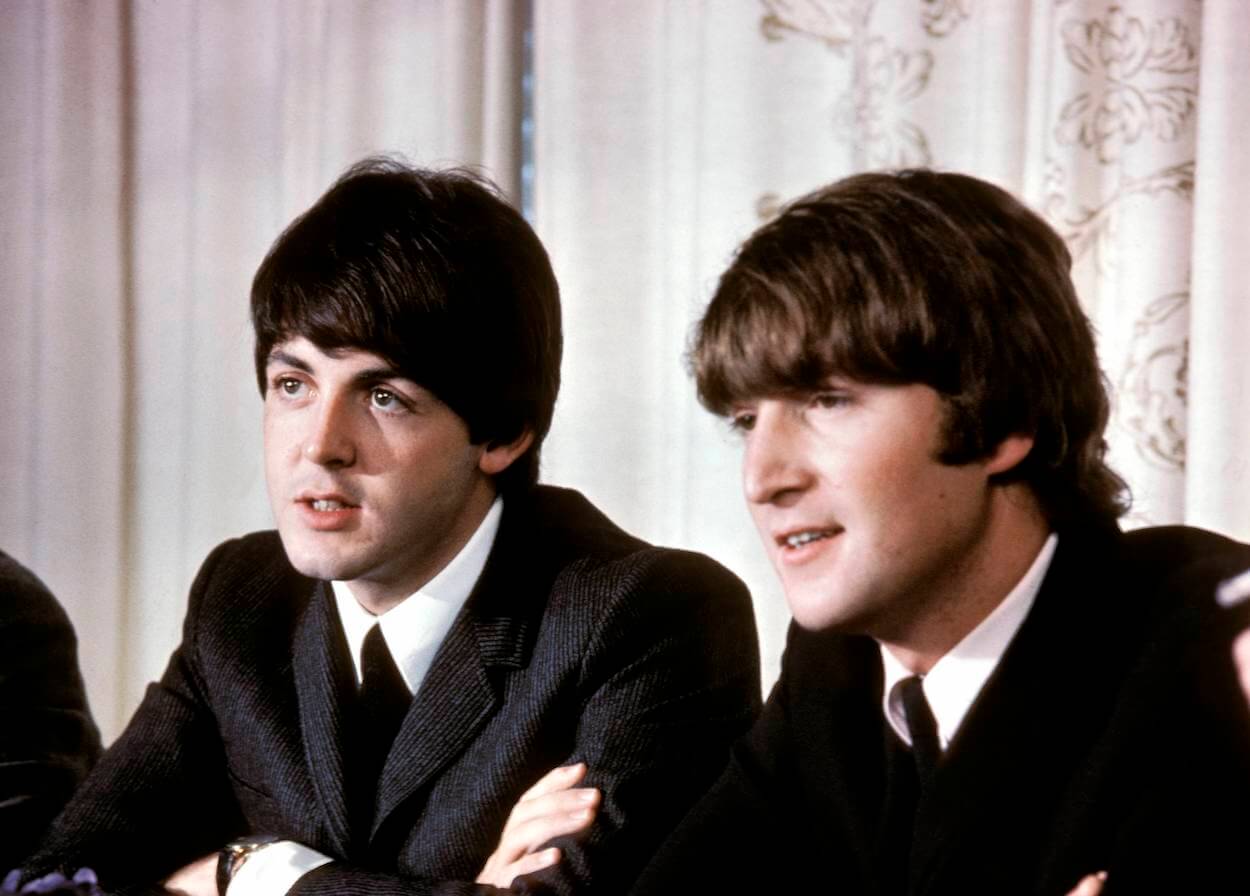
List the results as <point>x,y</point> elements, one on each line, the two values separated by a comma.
<point>773,471</point>
<point>329,441</point>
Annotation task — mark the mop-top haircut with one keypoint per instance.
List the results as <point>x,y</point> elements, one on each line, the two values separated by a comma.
<point>923,277</point>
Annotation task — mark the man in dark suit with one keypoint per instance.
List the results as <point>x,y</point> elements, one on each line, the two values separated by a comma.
<point>48,741</point>
<point>988,687</point>
<point>360,698</point>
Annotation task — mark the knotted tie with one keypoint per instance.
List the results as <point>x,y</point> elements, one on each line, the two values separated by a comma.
<point>381,705</point>
<point>908,775</point>
<point>922,728</point>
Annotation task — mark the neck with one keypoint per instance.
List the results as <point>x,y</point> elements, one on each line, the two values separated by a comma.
<point>976,585</point>
<point>392,585</point>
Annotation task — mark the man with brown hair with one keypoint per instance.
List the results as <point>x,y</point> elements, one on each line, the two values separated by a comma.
<point>988,687</point>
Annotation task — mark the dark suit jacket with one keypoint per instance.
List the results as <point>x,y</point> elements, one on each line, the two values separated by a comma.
<point>579,642</point>
<point>48,741</point>
<point>1110,737</point>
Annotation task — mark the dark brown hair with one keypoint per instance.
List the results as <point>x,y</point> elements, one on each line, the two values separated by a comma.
<point>437,274</point>
<point>923,277</point>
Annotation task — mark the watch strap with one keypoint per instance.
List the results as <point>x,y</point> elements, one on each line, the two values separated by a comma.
<point>232,856</point>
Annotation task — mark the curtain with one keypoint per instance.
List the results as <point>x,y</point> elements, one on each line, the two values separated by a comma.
<point>151,152</point>
<point>665,132</point>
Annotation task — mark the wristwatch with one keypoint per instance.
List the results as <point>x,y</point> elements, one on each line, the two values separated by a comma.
<point>234,854</point>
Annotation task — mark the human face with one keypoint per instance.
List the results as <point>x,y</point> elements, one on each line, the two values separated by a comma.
<point>372,480</point>
<point>868,531</point>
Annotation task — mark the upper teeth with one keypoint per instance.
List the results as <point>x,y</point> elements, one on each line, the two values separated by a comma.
<point>801,538</point>
<point>328,505</point>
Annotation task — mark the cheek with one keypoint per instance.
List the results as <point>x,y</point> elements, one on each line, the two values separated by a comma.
<point>272,452</point>
<point>416,474</point>
<point>757,516</point>
<point>279,436</point>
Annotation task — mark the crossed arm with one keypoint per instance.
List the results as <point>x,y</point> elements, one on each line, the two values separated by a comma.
<point>554,807</point>
<point>650,701</point>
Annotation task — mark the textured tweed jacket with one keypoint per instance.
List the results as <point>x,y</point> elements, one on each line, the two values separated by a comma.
<point>579,642</point>
<point>1110,737</point>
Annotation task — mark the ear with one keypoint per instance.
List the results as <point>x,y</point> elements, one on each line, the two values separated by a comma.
<point>497,456</point>
<point>1009,452</point>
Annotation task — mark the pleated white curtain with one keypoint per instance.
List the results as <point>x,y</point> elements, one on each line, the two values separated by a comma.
<point>149,154</point>
<point>667,130</point>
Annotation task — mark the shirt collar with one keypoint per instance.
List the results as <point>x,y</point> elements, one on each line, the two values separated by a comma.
<point>955,680</point>
<point>414,628</point>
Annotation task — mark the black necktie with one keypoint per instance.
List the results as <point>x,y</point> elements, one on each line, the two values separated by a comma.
<point>922,728</point>
<point>383,693</point>
<point>381,705</point>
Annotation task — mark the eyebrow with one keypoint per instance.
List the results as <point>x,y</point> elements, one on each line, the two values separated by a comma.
<point>278,356</point>
<point>368,375</point>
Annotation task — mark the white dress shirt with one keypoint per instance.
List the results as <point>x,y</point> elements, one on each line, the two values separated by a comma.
<point>957,678</point>
<point>413,629</point>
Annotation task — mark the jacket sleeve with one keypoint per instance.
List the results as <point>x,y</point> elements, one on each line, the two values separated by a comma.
<point>669,679</point>
<point>737,838</point>
<point>159,797</point>
<point>48,741</point>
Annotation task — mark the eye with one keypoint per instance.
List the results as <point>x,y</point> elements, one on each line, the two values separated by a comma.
<point>288,386</point>
<point>742,421</point>
<point>830,400</point>
<point>385,400</point>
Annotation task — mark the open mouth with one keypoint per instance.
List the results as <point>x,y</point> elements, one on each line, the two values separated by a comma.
<point>327,505</point>
<point>329,513</point>
<point>796,540</point>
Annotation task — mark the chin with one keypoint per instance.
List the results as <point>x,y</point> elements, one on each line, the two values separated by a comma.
<point>816,609</point>
<point>809,614</point>
<point>311,567</point>
<point>311,561</point>
<point>816,622</point>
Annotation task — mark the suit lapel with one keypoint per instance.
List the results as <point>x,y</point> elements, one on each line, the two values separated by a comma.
<point>324,682</point>
<point>460,693</point>
<point>828,701</point>
<point>1015,752</point>
<point>858,762</point>
<point>454,701</point>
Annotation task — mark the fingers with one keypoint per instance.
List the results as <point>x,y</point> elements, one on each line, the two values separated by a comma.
<point>538,819</point>
<point>553,807</point>
<point>502,875</point>
<point>1090,885</point>
<point>559,778</point>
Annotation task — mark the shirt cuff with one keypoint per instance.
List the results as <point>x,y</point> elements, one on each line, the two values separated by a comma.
<point>272,871</point>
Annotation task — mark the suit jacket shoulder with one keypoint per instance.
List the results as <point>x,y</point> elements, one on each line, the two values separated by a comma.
<point>1110,737</point>
<point>579,642</point>
<point>50,741</point>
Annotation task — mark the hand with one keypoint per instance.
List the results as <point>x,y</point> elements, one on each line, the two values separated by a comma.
<point>1241,656</point>
<point>1090,885</point>
<point>83,883</point>
<point>551,808</point>
<point>197,879</point>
